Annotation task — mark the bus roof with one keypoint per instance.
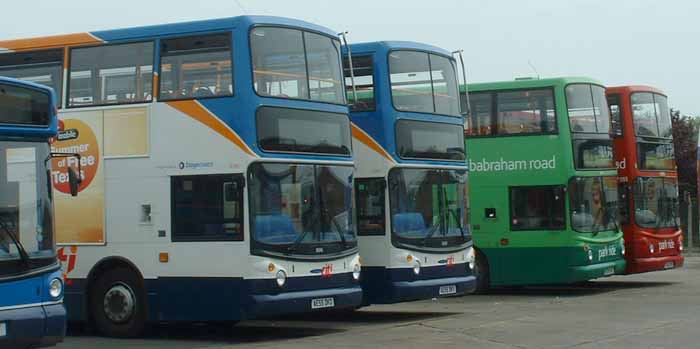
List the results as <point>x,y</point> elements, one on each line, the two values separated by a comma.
<point>144,32</point>
<point>375,46</point>
<point>634,88</point>
<point>530,83</point>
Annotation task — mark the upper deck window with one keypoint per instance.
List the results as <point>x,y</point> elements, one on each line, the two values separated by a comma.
<point>423,83</point>
<point>303,131</point>
<point>290,63</point>
<point>518,112</point>
<point>196,67</point>
<point>615,114</point>
<point>651,115</point>
<point>111,74</point>
<point>588,108</point>
<point>24,106</point>
<point>429,140</point>
<point>363,70</point>
<point>41,67</point>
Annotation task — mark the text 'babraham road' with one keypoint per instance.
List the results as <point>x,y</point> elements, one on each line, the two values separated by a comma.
<point>501,164</point>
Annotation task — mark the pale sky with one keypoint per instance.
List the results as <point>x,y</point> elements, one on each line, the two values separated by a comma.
<point>616,41</point>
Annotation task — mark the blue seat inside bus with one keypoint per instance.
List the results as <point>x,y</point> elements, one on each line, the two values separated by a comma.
<point>275,229</point>
<point>409,223</point>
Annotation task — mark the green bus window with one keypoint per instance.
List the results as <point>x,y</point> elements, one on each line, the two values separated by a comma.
<point>525,111</point>
<point>207,208</point>
<point>111,74</point>
<point>195,67</point>
<point>481,112</point>
<point>370,203</point>
<point>593,203</point>
<point>588,109</point>
<point>41,67</point>
<point>537,208</point>
<point>363,69</point>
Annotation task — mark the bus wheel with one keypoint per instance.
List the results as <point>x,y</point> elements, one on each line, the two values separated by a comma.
<point>481,273</point>
<point>118,304</point>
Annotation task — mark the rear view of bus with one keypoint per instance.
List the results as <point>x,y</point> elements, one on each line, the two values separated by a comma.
<point>544,184</point>
<point>218,170</point>
<point>411,181</point>
<point>648,179</point>
<point>31,288</point>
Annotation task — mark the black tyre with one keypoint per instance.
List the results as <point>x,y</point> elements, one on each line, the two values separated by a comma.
<point>118,304</point>
<point>481,273</point>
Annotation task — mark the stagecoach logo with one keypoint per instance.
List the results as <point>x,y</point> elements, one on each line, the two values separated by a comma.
<point>608,251</point>
<point>325,271</point>
<point>65,135</point>
<point>67,256</point>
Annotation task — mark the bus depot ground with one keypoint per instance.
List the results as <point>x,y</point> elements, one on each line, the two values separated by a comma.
<point>653,310</point>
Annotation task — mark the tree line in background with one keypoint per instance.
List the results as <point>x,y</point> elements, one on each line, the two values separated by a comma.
<point>685,138</point>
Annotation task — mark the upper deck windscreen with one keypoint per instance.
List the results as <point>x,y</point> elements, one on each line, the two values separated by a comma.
<point>424,83</point>
<point>291,63</point>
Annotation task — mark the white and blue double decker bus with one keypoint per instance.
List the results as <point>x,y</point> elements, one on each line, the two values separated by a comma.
<point>411,179</point>
<point>31,288</point>
<point>217,170</point>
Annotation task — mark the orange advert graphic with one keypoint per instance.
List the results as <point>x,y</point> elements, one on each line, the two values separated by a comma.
<point>80,219</point>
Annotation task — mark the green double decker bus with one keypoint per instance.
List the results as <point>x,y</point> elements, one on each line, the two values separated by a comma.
<point>543,182</point>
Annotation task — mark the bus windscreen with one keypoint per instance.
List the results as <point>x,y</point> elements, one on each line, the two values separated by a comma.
<point>24,106</point>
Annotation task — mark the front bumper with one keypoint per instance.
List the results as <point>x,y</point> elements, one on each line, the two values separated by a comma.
<point>262,305</point>
<point>594,271</point>
<point>643,265</point>
<point>36,326</point>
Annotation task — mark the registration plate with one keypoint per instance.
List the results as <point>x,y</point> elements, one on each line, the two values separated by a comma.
<point>449,289</point>
<point>669,265</point>
<point>319,303</point>
<point>3,329</point>
<point>609,271</point>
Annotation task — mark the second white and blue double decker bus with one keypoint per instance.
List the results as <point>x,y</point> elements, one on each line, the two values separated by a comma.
<point>31,288</point>
<point>218,170</point>
<point>411,180</point>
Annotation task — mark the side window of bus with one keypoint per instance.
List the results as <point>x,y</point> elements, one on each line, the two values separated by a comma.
<point>537,208</point>
<point>525,111</point>
<point>363,69</point>
<point>111,74</point>
<point>481,111</point>
<point>196,67</point>
<point>615,114</point>
<point>207,208</point>
<point>41,67</point>
<point>370,202</point>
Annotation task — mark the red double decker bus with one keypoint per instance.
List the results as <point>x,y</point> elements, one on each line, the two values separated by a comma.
<point>643,146</point>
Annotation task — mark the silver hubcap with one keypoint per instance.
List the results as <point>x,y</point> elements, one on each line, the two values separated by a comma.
<point>119,303</point>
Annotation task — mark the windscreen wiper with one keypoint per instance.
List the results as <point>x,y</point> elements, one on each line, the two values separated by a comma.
<point>453,213</point>
<point>324,214</point>
<point>22,252</point>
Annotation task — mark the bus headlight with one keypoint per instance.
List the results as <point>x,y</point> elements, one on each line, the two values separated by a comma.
<point>590,255</point>
<point>281,278</point>
<point>356,272</point>
<point>651,248</point>
<point>416,267</point>
<point>55,288</point>
<point>471,258</point>
<point>623,251</point>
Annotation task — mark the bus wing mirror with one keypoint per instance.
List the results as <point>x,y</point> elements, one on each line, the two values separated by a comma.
<point>73,181</point>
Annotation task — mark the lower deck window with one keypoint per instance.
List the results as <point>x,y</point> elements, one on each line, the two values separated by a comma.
<point>207,208</point>
<point>537,208</point>
<point>370,198</point>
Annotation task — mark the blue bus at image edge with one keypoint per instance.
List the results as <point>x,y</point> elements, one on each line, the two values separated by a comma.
<point>31,288</point>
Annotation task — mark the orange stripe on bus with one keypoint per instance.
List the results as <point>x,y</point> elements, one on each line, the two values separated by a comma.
<point>362,136</point>
<point>49,42</point>
<point>203,115</point>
